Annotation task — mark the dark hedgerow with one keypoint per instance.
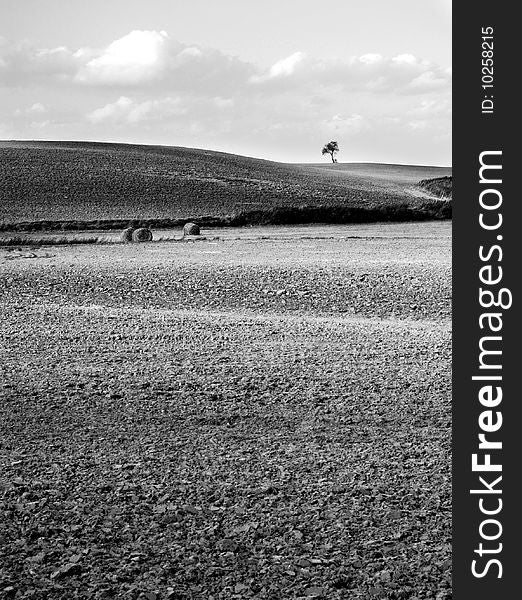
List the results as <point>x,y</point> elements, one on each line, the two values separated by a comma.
<point>440,186</point>
<point>278,215</point>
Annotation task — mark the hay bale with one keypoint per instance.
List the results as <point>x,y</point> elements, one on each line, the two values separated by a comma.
<point>126,235</point>
<point>191,229</point>
<point>142,235</point>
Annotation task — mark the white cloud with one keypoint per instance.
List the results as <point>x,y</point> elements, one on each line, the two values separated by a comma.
<point>224,103</point>
<point>22,64</point>
<point>138,57</point>
<point>405,59</point>
<point>430,80</point>
<point>404,73</point>
<point>346,124</point>
<point>39,124</point>
<point>153,60</point>
<point>37,107</point>
<point>191,51</point>
<point>287,66</point>
<point>126,110</point>
<point>435,107</point>
<point>370,59</point>
<point>418,125</point>
<point>114,111</point>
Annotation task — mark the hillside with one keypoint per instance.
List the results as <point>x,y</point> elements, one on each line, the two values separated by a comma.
<point>84,181</point>
<point>389,173</point>
<point>440,186</point>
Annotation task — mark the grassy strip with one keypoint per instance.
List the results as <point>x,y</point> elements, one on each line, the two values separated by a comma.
<point>48,241</point>
<point>279,215</point>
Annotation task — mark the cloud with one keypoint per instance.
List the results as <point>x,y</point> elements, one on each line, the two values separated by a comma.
<point>140,59</point>
<point>22,64</point>
<point>223,103</point>
<point>346,124</point>
<point>418,125</point>
<point>282,68</point>
<point>37,108</point>
<point>153,60</point>
<point>40,124</point>
<point>430,80</point>
<point>146,86</point>
<point>134,59</point>
<point>370,59</point>
<point>125,110</point>
<point>405,59</point>
<point>375,73</point>
<point>172,112</point>
<point>435,107</point>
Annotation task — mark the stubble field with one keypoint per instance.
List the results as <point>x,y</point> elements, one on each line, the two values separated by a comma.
<point>47,184</point>
<point>265,415</point>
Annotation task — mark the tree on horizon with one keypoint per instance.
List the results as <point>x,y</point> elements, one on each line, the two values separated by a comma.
<point>331,148</point>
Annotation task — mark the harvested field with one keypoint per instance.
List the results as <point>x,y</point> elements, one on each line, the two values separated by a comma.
<point>265,415</point>
<point>77,182</point>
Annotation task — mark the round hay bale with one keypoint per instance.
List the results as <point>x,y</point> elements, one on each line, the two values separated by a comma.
<point>126,235</point>
<point>191,229</point>
<point>142,234</point>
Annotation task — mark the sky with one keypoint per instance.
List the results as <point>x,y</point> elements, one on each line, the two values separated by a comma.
<point>274,79</point>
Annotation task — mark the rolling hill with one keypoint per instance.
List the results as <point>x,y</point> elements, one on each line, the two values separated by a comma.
<point>61,183</point>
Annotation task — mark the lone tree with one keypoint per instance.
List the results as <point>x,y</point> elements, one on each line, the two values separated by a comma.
<point>331,148</point>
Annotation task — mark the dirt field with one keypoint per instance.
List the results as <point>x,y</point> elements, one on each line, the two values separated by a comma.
<point>265,415</point>
<point>82,181</point>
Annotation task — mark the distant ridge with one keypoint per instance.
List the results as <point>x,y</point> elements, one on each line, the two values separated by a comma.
<point>83,184</point>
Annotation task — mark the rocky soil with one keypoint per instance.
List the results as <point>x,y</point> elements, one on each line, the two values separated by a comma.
<point>240,420</point>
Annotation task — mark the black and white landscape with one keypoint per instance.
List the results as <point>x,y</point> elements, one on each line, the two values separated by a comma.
<point>225,289</point>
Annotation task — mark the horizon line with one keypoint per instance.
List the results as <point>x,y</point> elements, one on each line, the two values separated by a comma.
<point>361,162</point>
